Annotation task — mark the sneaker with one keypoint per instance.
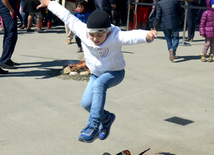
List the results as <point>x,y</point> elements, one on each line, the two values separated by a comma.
<point>68,41</point>
<point>210,59</point>
<point>189,39</point>
<point>41,31</point>
<point>3,71</point>
<point>203,58</point>
<point>88,134</point>
<point>79,50</point>
<point>171,55</point>
<point>105,129</point>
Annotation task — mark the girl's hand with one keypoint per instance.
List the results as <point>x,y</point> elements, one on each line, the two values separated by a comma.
<point>150,36</point>
<point>44,3</point>
<point>202,35</point>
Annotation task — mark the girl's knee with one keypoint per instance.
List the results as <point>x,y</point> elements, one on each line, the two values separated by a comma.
<point>86,105</point>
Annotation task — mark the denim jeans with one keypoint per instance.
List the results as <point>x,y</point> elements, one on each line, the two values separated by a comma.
<point>172,38</point>
<point>94,97</point>
<point>24,15</point>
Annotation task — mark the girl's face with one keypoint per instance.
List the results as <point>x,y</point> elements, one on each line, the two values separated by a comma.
<point>98,38</point>
<point>80,7</point>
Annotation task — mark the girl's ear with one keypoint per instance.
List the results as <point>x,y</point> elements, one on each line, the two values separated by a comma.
<point>108,33</point>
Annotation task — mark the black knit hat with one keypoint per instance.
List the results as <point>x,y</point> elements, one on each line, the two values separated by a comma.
<point>98,19</point>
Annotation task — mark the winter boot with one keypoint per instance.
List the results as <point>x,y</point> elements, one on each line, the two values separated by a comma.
<point>210,59</point>
<point>203,58</point>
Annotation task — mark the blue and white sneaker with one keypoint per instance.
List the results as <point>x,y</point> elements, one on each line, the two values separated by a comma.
<point>88,134</point>
<point>105,129</point>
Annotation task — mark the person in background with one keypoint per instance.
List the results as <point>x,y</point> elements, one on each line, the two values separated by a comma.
<point>8,9</point>
<point>82,13</point>
<point>191,19</point>
<point>206,29</point>
<point>71,6</point>
<point>142,14</point>
<point>107,6</point>
<point>30,8</point>
<point>169,15</point>
<point>24,15</point>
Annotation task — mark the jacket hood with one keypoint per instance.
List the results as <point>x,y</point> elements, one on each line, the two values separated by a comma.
<point>209,7</point>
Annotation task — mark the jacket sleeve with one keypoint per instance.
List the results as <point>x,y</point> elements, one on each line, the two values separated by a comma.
<point>158,16</point>
<point>203,23</point>
<point>74,24</point>
<point>131,37</point>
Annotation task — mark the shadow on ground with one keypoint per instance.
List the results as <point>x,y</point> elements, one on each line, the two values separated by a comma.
<point>41,70</point>
<point>187,58</point>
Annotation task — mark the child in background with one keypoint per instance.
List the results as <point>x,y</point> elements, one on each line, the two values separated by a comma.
<point>82,14</point>
<point>30,8</point>
<point>102,43</point>
<point>206,30</point>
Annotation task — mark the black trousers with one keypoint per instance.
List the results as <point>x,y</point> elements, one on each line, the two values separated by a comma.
<point>10,37</point>
<point>191,19</point>
<point>78,41</point>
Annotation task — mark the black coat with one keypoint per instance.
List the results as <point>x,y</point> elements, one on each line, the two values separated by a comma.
<point>104,5</point>
<point>168,14</point>
<point>30,6</point>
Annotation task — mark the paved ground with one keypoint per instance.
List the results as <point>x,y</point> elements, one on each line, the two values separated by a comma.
<point>42,115</point>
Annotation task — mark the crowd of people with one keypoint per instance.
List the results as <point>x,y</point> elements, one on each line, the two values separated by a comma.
<point>140,17</point>
<point>102,41</point>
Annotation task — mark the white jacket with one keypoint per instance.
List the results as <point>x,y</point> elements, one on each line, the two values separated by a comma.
<point>107,56</point>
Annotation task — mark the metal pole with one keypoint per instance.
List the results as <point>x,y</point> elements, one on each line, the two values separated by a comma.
<point>184,29</point>
<point>127,23</point>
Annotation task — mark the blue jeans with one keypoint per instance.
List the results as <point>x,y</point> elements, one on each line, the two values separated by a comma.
<point>94,97</point>
<point>24,15</point>
<point>172,38</point>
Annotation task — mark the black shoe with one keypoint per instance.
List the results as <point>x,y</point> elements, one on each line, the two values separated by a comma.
<point>3,71</point>
<point>189,39</point>
<point>29,30</point>
<point>7,66</point>
<point>14,63</point>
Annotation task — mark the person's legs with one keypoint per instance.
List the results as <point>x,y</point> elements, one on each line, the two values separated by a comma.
<point>175,39</point>
<point>168,36</point>
<point>78,41</point>
<point>212,45</point>
<point>191,15</point>
<point>100,86</point>
<point>145,16</point>
<point>20,18</point>
<point>71,6</point>
<point>94,99</point>
<point>205,49</point>
<point>39,21</point>
<point>210,59</point>
<point>24,15</point>
<point>139,16</point>
<point>30,20</point>
<point>206,46</point>
<point>9,41</point>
